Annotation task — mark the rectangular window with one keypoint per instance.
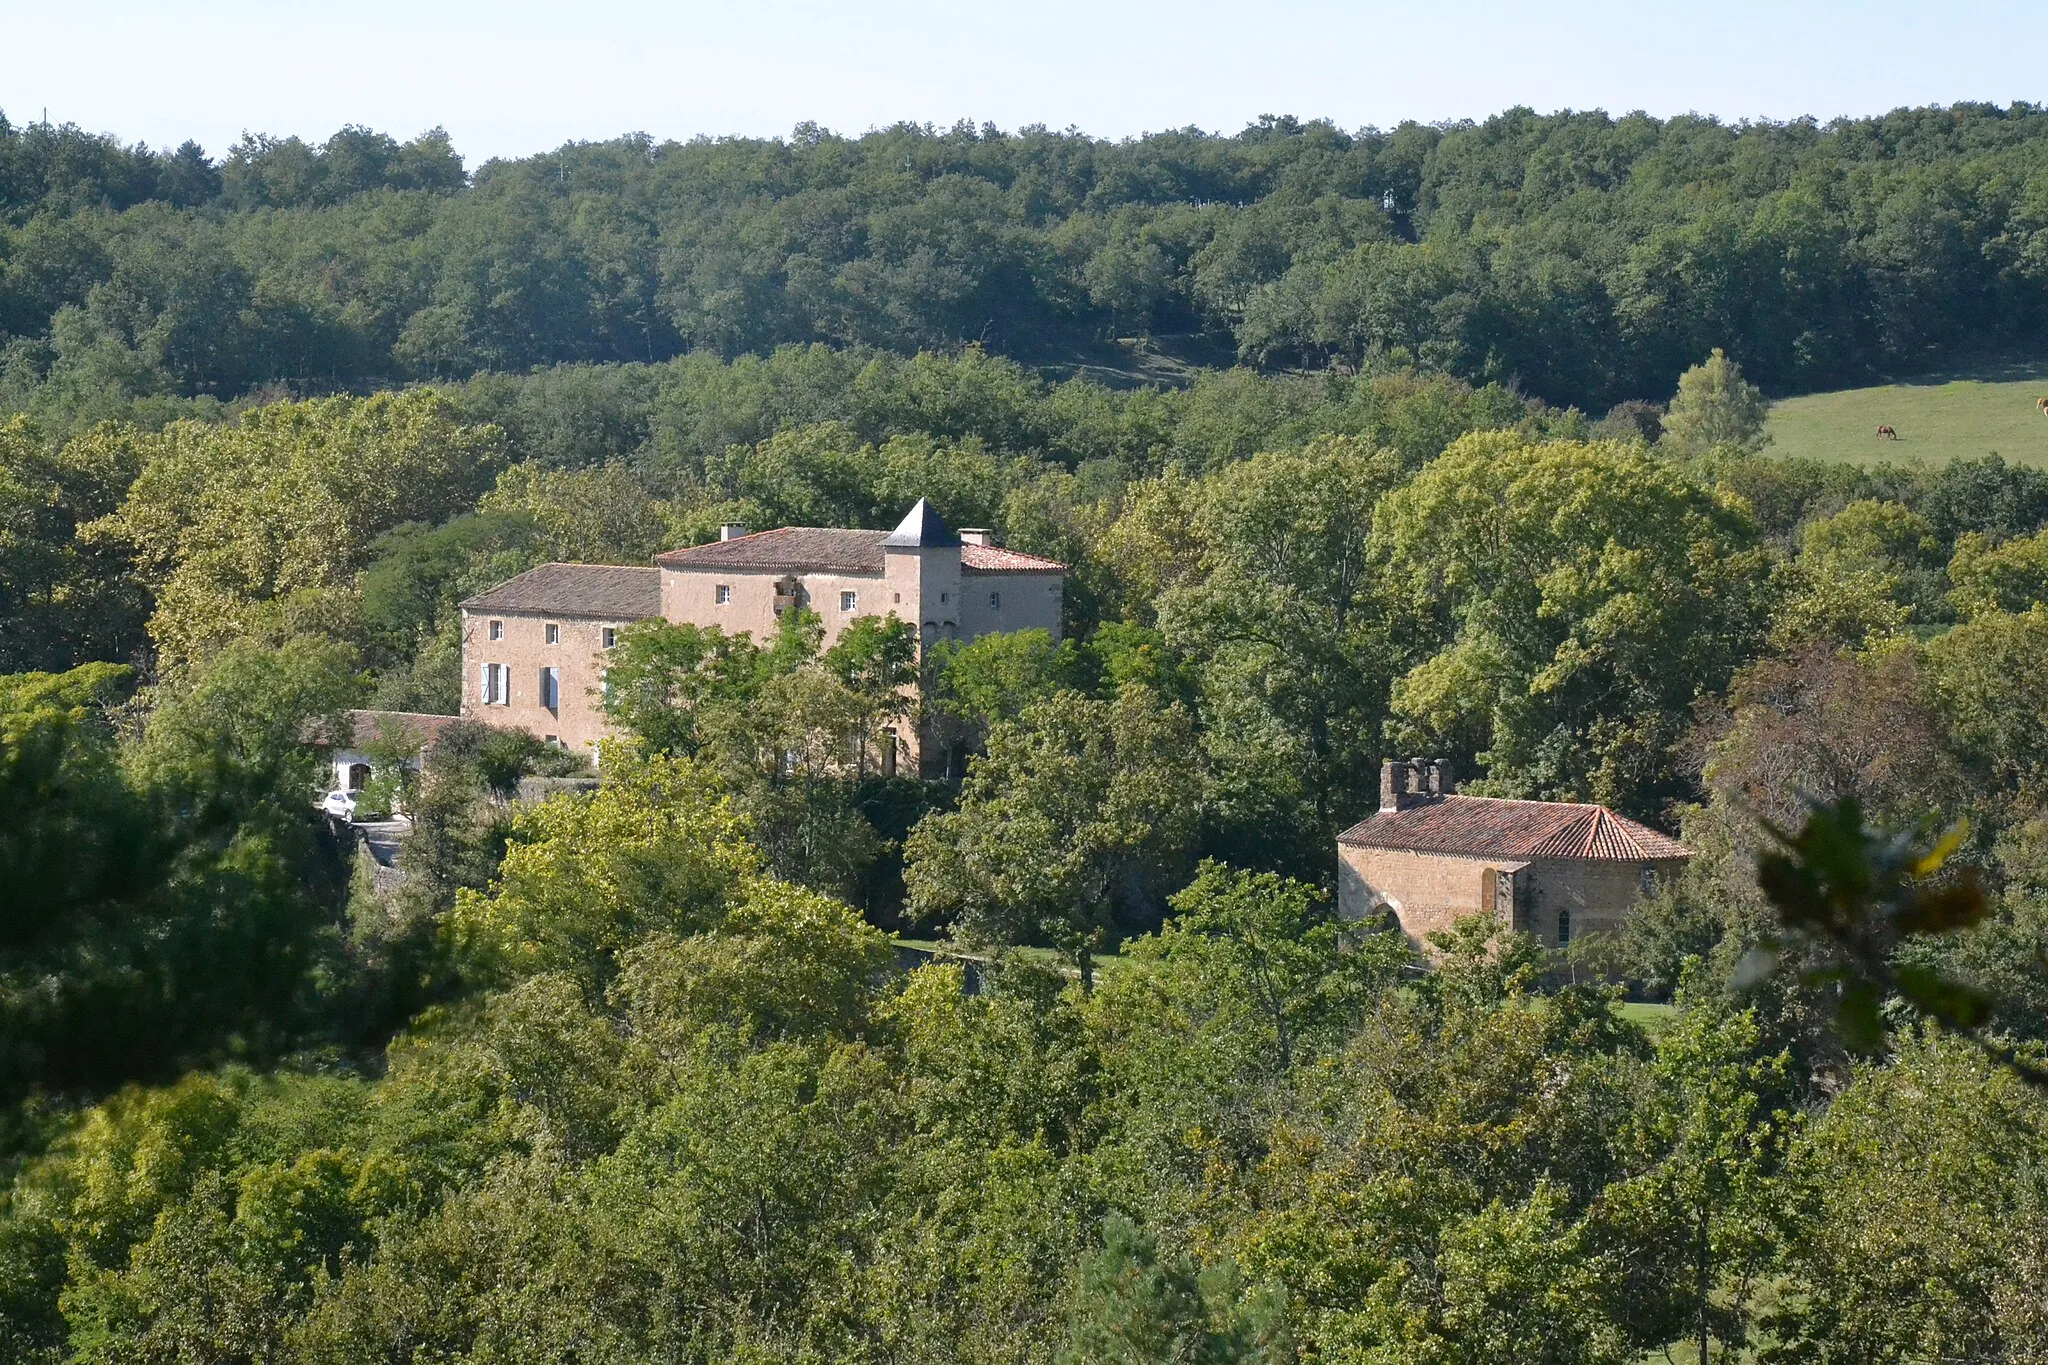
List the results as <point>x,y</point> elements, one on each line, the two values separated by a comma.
<point>722,594</point>
<point>497,630</point>
<point>551,688</point>
<point>554,633</point>
<point>848,601</point>
<point>496,685</point>
<point>611,636</point>
<point>995,601</point>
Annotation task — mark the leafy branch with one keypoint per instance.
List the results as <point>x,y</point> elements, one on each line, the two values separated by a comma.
<point>1847,896</point>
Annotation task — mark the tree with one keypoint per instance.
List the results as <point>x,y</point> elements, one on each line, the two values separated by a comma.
<point>268,522</point>
<point>1715,408</point>
<point>1076,818</point>
<point>668,684</point>
<point>1137,1307</point>
<point>166,895</point>
<point>875,660</point>
<point>657,848</point>
<point>1590,593</point>
<point>1698,1219</point>
<point>1285,611</point>
<point>1271,953</point>
<point>67,601</point>
<point>1919,1232</point>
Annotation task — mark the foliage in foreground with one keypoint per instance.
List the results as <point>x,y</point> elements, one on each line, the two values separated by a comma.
<point>701,1117</point>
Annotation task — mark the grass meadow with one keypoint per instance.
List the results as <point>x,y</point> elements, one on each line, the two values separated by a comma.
<point>1967,414</point>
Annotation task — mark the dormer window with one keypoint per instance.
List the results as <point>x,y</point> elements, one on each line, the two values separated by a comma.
<point>553,633</point>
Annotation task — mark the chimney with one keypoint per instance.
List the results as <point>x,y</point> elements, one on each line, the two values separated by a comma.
<point>1405,785</point>
<point>731,530</point>
<point>976,535</point>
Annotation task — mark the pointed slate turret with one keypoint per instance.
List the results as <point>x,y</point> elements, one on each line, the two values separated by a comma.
<point>922,529</point>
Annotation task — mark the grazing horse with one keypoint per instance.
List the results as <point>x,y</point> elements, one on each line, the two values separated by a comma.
<point>1885,433</point>
<point>2042,404</point>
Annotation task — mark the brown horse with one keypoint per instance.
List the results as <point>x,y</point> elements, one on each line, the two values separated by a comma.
<point>2042,404</point>
<point>1885,433</point>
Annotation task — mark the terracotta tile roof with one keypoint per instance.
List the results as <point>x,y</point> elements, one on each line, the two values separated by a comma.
<point>614,591</point>
<point>995,559</point>
<point>810,549</point>
<point>795,549</point>
<point>364,727</point>
<point>1485,826</point>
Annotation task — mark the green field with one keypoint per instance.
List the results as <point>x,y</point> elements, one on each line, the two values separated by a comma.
<point>1966,414</point>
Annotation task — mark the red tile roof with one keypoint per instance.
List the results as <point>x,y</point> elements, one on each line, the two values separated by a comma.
<point>795,549</point>
<point>806,549</point>
<point>995,559</point>
<point>1486,826</point>
<point>369,727</point>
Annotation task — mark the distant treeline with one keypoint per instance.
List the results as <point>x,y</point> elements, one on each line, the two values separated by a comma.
<point>1584,258</point>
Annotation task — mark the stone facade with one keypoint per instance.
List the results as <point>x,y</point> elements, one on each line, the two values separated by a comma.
<point>566,708</point>
<point>563,617</point>
<point>1553,870</point>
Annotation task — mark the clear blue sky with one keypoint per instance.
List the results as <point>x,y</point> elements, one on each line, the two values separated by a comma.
<point>512,77</point>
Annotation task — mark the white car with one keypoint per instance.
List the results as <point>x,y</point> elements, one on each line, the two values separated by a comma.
<point>340,805</point>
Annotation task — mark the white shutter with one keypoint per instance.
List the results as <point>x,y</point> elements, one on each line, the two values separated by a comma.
<point>484,686</point>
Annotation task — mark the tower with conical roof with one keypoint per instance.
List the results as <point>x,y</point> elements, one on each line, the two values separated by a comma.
<point>921,564</point>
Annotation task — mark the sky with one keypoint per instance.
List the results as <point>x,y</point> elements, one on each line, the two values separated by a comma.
<point>513,77</point>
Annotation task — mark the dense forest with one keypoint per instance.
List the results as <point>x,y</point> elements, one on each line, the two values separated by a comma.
<point>643,1071</point>
<point>1583,259</point>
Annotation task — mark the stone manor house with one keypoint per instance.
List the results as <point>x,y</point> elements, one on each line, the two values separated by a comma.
<point>533,658</point>
<point>534,647</point>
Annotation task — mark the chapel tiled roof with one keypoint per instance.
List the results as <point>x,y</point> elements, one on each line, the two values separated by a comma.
<point>796,549</point>
<point>1486,826</point>
<point>614,591</point>
<point>995,559</point>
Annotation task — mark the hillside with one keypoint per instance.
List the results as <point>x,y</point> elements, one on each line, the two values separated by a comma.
<point>1584,259</point>
<point>1963,414</point>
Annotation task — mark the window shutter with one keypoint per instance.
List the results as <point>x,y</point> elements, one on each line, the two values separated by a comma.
<point>484,686</point>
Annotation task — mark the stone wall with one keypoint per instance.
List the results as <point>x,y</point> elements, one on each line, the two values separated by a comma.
<point>992,601</point>
<point>1431,891</point>
<point>577,721</point>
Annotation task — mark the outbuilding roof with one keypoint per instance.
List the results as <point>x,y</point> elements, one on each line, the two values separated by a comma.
<point>1486,826</point>
<point>617,592</point>
<point>352,729</point>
